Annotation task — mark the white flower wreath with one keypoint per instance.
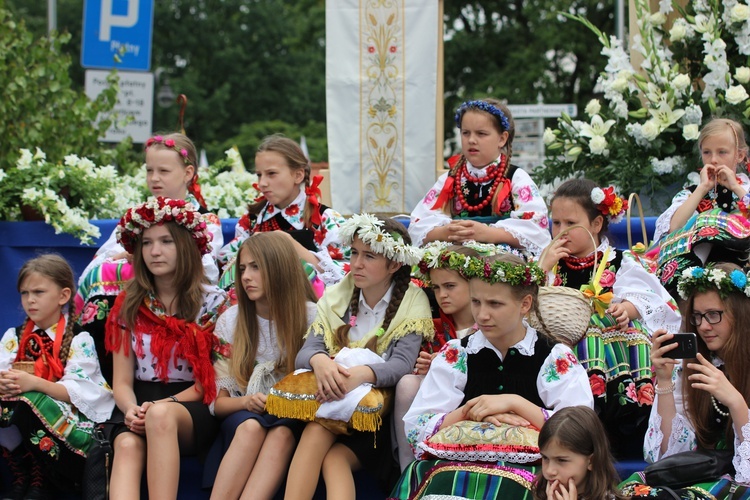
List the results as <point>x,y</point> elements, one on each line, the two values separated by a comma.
<point>369,229</point>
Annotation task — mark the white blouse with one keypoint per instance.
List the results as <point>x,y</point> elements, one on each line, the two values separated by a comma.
<point>682,438</point>
<point>527,223</point>
<point>82,377</point>
<point>561,382</point>
<point>268,348</point>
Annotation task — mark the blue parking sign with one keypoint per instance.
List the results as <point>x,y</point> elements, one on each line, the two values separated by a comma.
<point>117,34</point>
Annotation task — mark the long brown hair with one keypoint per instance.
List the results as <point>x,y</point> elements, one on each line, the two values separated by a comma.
<point>287,291</point>
<point>56,269</point>
<point>402,278</point>
<point>296,160</point>
<point>735,355</point>
<point>579,430</point>
<point>188,280</point>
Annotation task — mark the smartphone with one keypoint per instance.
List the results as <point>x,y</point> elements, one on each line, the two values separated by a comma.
<point>687,346</point>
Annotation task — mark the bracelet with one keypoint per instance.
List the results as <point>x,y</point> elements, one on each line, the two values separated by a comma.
<point>664,390</point>
<point>174,398</point>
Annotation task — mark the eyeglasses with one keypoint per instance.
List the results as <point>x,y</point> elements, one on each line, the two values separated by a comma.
<point>712,317</point>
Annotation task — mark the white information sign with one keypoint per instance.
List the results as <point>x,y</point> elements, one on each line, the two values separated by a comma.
<point>542,110</point>
<point>135,99</point>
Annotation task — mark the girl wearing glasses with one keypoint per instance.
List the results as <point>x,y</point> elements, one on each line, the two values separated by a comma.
<point>703,402</point>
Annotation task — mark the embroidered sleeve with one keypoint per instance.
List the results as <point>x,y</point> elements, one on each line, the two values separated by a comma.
<point>83,379</point>
<point>8,348</point>
<point>332,253</point>
<point>562,381</point>
<point>241,233</point>
<point>644,290</point>
<point>109,249</point>
<point>682,435</point>
<point>440,393</point>
<point>662,223</point>
<point>424,218</point>
<point>741,460</point>
<point>528,221</point>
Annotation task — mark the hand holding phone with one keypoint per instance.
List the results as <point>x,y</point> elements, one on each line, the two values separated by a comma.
<point>687,346</point>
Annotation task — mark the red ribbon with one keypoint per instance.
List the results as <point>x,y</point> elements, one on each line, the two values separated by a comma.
<point>503,194</point>
<point>313,193</point>
<point>195,189</point>
<point>445,194</point>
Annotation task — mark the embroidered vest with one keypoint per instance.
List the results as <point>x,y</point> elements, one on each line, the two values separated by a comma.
<point>516,374</point>
<point>575,278</point>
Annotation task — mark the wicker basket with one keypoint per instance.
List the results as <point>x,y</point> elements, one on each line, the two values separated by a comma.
<point>566,313</point>
<point>24,366</point>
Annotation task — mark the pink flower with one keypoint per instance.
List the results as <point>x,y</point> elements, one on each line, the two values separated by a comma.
<point>608,279</point>
<point>524,194</point>
<point>169,143</point>
<point>184,152</point>
<point>430,197</point>
<point>630,392</point>
<point>457,205</point>
<point>544,222</point>
<point>668,270</point>
<point>89,313</point>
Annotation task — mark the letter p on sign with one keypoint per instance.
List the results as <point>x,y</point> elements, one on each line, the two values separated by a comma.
<point>108,19</point>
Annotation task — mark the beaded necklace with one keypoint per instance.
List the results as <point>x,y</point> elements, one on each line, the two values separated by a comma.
<point>578,263</point>
<point>493,171</point>
<point>716,407</point>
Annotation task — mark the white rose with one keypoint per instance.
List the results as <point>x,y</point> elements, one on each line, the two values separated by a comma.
<point>681,81</point>
<point>593,107</point>
<point>619,84</point>
<point>658,18</point>
<point>677,33</point>
<point>736,94</point>
<point>597,195</point>
<point>739,13</point>
<point>548,137</point>
<point>690,132</point>
<point>742,74</point>
<point>650,130</point>
<point>598,144</point>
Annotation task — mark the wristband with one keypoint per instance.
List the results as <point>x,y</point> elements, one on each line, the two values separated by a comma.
<point>664,390</point>
<point>174,398</point>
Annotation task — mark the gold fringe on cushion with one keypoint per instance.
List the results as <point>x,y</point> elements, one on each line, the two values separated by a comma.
<point>284,406</point>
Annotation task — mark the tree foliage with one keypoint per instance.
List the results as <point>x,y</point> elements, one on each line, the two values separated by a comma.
<point>40,106</point>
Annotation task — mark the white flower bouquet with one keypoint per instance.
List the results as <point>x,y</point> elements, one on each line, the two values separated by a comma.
<point>642,136</point>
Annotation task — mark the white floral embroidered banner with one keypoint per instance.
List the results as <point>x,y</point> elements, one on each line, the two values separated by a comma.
<point>381,80</point>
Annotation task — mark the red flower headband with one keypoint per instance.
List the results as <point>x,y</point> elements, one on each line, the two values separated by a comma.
<point>154,212</point>
<point>609,203</point>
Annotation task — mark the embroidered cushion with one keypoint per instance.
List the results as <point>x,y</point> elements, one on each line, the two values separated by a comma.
<point>484,442</point>
<point>294,397</point>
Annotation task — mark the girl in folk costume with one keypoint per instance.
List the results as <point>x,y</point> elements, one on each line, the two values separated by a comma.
<point>290,202</point>
<point>171,172</point>
<point>439,268</point>
<point>51,386</point>
<point>378,314</point>
<point>704,402</point>
<point>630,305</point>
<point>160,331</point>
<point>483,197</point>
<point>275,306</point>
<point>707,221</point>
<point>505,372</point>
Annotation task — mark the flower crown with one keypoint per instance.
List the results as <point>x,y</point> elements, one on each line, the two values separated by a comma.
<point>611,206</point>
<point>158,211</point>
<point>437,256</point>
<point>482,106</point>
<point>169,144</point>
<point>369,229</point>
<point>700,279</point>
<point>502,272</point>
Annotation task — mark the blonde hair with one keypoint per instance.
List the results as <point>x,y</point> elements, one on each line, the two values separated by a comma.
<point>296,160</point>
<point>718,126</point>
<point>56,269</point>
<point>181,141</point>
<point>189,278</point>
<point>287,291</point>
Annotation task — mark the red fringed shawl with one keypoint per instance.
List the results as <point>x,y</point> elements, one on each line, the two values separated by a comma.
<point>171,338</point>
<point>49,368</point>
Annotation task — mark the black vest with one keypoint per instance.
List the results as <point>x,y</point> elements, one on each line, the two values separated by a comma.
<point>517,374</point>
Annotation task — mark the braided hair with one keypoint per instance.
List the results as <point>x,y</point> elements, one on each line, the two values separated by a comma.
<point>56,269</point>
<point>401,279</point>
